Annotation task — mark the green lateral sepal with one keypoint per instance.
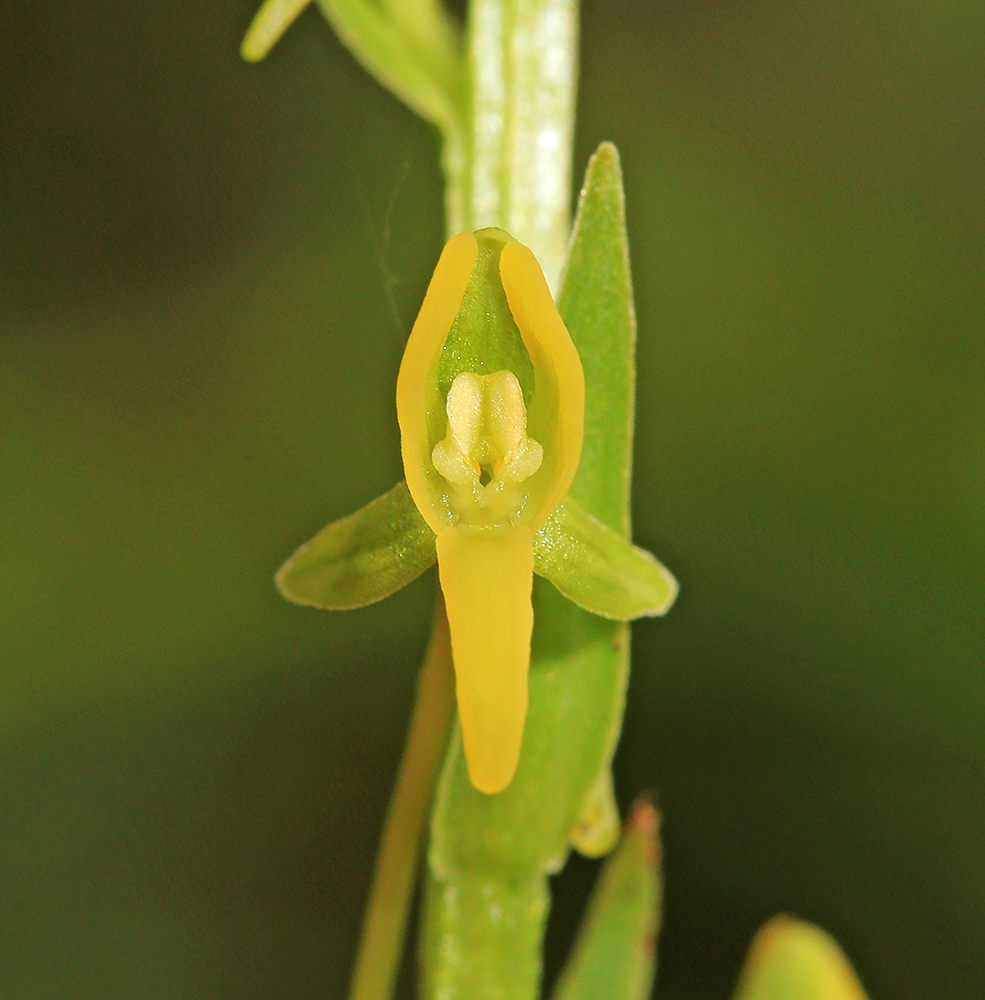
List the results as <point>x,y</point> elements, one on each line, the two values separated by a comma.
<point>362,558</point>
<point>598,569</point>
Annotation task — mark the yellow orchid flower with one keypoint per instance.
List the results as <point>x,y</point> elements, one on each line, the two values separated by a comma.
<point>490,402</point>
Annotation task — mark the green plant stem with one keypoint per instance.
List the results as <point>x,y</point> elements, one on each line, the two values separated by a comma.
<point>394,878</point>
<point>511,167</point>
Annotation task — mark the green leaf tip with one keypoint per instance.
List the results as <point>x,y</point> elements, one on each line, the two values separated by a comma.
<point>598,569</point>
<point>793,960</point>
<point>267,27</point>
<point>361,558</point>
<point>615,953</point>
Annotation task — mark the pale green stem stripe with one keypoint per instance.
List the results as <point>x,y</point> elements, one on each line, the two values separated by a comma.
<point>523,59</point>
<point>381,944</point>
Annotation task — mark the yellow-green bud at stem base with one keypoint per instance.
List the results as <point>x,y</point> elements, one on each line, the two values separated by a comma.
<point>491,389</point>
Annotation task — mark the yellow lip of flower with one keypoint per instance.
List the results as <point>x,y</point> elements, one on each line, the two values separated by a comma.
<point>487,461</point>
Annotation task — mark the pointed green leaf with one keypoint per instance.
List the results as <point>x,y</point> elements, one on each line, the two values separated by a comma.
<point>596,304</point>
<point>615,954</point>
<point>429,81</point>
<point>598,569</point>
<point>793,960</point>
<point>361,558</point>
<point>428,25</point>
<point>410,47</point>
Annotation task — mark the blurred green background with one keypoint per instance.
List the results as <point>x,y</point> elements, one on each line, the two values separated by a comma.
<point>207,275</point>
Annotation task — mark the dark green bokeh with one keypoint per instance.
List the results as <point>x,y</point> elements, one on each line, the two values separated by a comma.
<point>208,274</point>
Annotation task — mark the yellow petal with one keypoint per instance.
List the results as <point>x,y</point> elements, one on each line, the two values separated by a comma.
<point>487,578</point>
<point>418,371</point>
<point>559,400</point>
